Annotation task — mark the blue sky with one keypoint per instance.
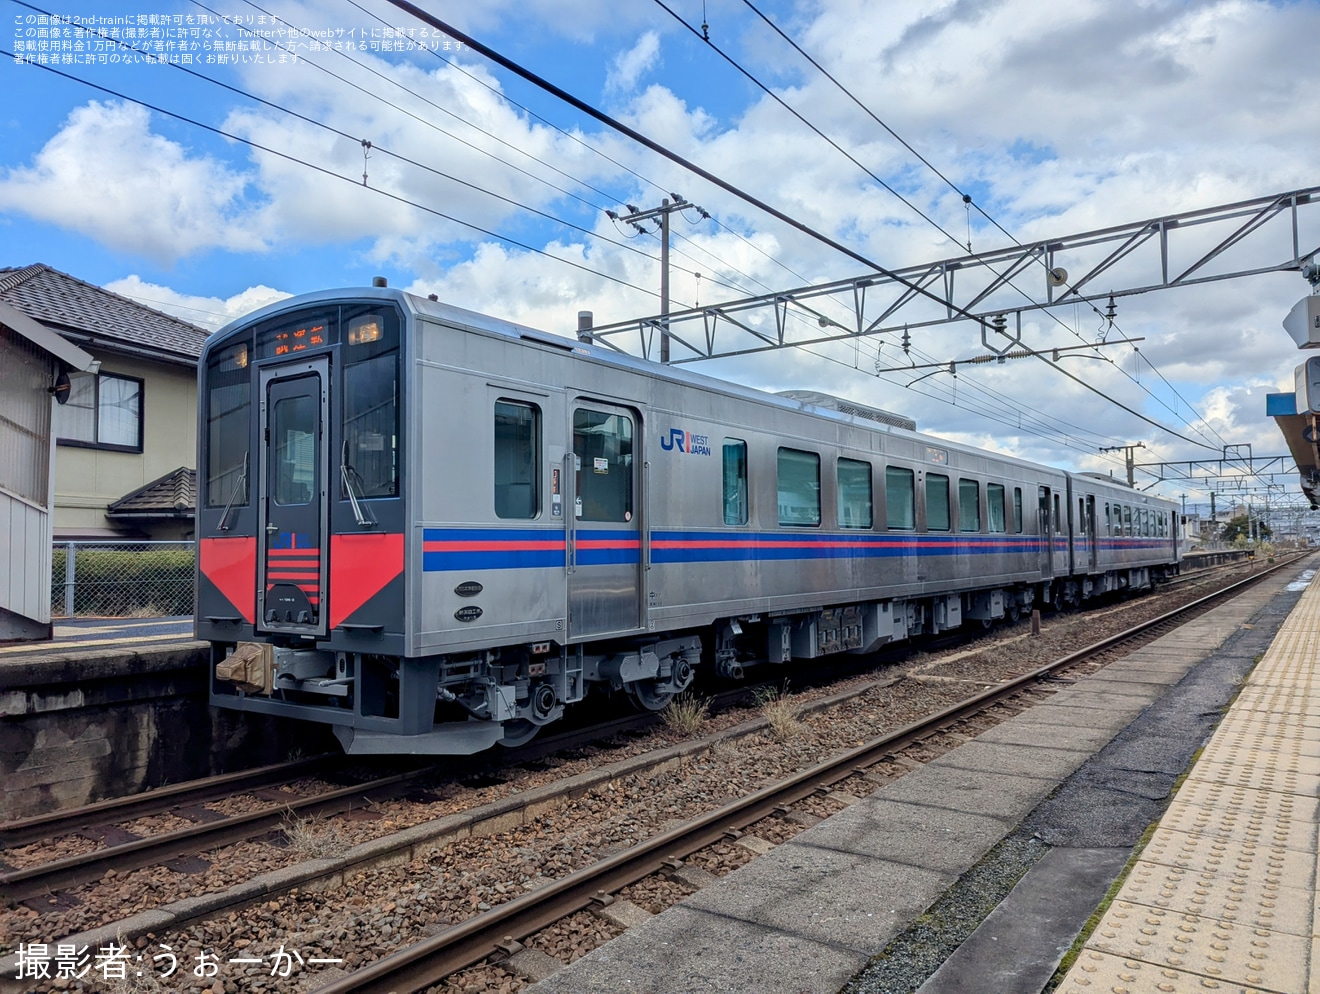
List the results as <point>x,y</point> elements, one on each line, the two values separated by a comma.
<point>1057,119</point>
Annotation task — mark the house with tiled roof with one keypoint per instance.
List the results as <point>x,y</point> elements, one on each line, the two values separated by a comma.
<point>126,435</point>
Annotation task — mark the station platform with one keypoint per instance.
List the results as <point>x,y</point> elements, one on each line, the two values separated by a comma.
<point>1222,896</point>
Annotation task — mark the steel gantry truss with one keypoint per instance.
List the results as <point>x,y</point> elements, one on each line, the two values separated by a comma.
<point>1228,472</point>
<point>1177,250</point>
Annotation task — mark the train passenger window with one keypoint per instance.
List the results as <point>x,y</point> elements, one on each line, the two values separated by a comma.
<point>517,459</point>
<point>603,444</point>
<point>900,499</point>
<point>799,488</point>
<point>1127,521</point>
<point>969,506</point>
<point>937,503</point>
<point>1017,510</point>
<point>994,507</point>
<point>371,426</point>
<point>1109,523</point>
<point>854,494</point>
<point>735,481</point>
<point>228,420</point>
<point>1058,516</point>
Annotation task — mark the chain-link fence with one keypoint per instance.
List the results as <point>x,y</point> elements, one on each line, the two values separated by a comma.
<point>122,579</point>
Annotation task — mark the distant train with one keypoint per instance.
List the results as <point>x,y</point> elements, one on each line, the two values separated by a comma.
<point>435,530</point>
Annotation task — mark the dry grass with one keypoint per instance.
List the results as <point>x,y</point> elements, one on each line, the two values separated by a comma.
<point>686,713</point>
<point>782,714</point>
<point>312,839</point>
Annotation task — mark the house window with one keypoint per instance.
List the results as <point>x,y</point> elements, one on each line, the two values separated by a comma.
<point>103,411</point>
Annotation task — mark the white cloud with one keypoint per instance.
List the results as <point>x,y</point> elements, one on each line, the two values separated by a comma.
<point>211,313</point>
<point>106,175</point>
<point>627,67</point>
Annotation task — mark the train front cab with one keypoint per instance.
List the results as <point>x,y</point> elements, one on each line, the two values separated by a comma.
<point>301,512</point>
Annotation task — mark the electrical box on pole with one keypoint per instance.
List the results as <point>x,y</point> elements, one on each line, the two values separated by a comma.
<point>1303,322</point>
<point>1307,377</point>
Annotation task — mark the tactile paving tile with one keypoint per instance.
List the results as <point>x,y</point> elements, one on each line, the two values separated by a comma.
<point>1223,896</point>
<point>1266,816</point>
<point>1095,972</point>
<point>1237,897</point>
<point>1227,952</point>
<point>1231,880</point>
<point>1262,775</point>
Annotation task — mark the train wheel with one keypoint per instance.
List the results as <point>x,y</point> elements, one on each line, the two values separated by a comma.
<point>647,698</point>
<point>1014,613</point>
<point>519,732</point>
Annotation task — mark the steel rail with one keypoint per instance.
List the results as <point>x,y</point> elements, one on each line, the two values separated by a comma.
<point>427,962</point>
<point>39,828</point>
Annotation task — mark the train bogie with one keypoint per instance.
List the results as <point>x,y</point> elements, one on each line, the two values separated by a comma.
<point>434,531</point>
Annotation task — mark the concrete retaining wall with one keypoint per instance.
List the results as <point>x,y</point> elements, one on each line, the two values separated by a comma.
<point>78,728</point>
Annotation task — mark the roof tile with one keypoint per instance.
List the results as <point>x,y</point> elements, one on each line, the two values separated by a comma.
<point>69,304</point>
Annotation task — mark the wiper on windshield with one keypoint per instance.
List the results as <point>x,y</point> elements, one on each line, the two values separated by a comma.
<point>239,485</point>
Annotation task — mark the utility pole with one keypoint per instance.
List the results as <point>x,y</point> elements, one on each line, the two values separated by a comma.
<point>1128,451</point>
<point>635,218</point>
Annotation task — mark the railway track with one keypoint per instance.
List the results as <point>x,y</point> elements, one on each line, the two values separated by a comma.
<point>495,933</point>
<point>43,881</point>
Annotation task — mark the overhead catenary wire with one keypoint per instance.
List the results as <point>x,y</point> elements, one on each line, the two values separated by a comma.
<point>966,198</point>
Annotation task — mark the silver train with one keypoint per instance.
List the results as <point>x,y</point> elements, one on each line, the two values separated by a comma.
<point>435,530</point>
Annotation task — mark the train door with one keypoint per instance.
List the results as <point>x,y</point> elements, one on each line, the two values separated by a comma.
<point>1092,535</point>
<point>1045,526</point>
<point>291,564</point>
<point>604,522</point>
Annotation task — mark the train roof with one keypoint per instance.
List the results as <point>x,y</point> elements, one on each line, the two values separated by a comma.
<point>487,324</point>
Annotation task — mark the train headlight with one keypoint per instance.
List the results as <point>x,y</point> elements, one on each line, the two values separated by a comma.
<point>364,329</point>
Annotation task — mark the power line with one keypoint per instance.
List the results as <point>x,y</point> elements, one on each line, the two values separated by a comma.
<point>654,146</point>
<point>965,197</point>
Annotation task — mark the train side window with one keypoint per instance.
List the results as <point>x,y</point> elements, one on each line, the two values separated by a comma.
<point>900,499</point>
<point>1127,521</point>
<point>1109,524</point>
<point>603,444</point>
<point>799,488</point>
<point>994,507</point>
<point>1058,516</point>
<point>969,506</point>
<point>517,462</point>
<point>1017,510</point>
<point>937,503</point>
<point>854,494</point>
<point>735,481</point>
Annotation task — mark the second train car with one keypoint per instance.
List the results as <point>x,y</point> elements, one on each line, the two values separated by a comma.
<point>434,530</point>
